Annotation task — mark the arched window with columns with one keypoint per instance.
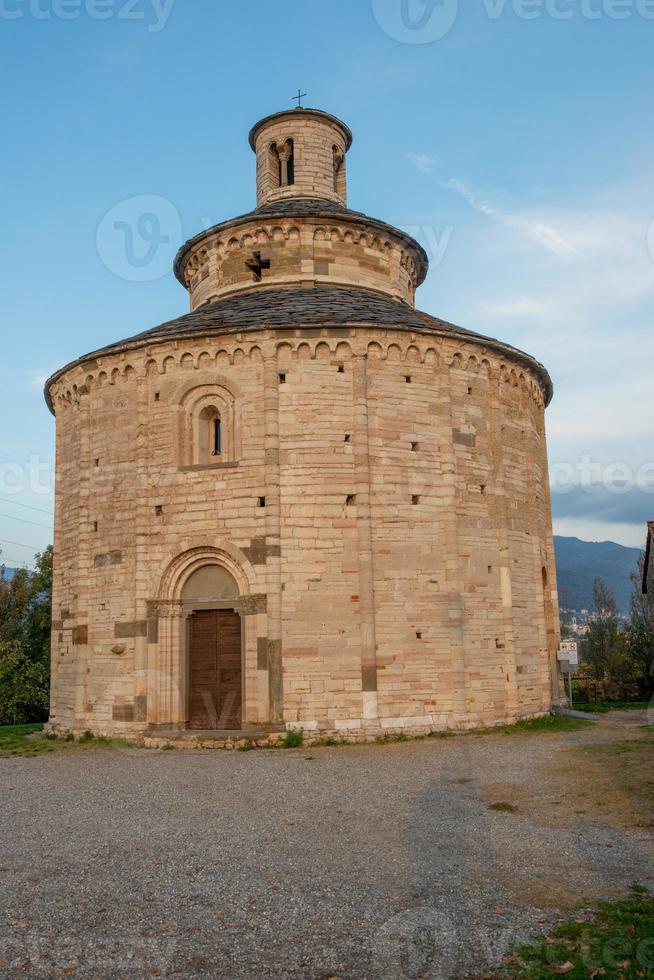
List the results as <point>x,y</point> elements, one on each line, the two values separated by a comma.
<point>208,427</point>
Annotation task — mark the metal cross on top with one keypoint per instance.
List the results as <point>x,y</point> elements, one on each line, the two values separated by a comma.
<point>298,98</point>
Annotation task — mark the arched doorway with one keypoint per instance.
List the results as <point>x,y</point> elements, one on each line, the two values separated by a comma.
<point>214,650</point>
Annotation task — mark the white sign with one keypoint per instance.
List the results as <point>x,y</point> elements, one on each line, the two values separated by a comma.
<point>569,652</point>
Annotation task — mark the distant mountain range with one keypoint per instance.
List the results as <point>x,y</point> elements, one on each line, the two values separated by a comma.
<point>579,563</point>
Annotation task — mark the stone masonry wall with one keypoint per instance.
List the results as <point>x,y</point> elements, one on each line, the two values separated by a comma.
<point>314,139</point>
<point>301,250</point>
<point>384,508</point>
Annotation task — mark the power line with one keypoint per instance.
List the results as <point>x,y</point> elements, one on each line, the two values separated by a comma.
<point>17,503</point>
<point>8,561</point>
<point>29,547</point>
<point>23,521</point>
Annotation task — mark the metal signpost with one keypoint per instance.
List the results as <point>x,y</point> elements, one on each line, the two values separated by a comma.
<point>569,659</point>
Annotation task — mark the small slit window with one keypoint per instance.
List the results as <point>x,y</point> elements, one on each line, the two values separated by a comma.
<point>339,161</point>
<point>211,435</point>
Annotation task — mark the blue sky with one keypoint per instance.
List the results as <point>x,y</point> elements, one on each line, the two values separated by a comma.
<point>513,138</point>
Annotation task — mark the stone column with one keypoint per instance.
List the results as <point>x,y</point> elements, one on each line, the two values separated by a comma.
<point>284,153</point>
<point>361,452</point>
<point>273,533</point>
<point>143,509</point>
<point>168,672</point>
<point>84,558</point>
<point>450,538</point>
<point>498,512</point>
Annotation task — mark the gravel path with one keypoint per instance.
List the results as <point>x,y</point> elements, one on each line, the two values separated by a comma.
<point>372,861</point>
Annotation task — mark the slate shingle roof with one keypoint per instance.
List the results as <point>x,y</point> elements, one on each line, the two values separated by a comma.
<point>302,207</point>
<point>303,306</point>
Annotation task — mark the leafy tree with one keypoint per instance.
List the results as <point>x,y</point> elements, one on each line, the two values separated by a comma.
<point>23,687</point>
<point>640,637</point>
<point>603,648</point>
<point>25,615</point>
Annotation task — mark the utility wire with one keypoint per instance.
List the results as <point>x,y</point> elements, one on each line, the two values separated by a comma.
<point>23,521</point>
<point>29,547</point>
<point>17,503</point>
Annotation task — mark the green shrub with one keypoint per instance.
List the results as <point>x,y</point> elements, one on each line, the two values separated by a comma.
<point>24,687</point>
<point>293,739</point>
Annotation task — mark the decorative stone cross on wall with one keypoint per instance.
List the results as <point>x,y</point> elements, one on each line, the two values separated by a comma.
<point>257,265</point>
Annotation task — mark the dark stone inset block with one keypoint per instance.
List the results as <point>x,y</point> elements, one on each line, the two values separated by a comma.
<point>113,558</point>
<point>464,438</point>
<point>262,653</point>
<point>369,678</point>
<point>124,631</point>
<point>80,635</point>
<point>250,605</point>
<point>141,708</point>
<point>123,712</point>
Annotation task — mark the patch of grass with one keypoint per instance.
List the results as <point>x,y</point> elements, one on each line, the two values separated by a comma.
<point>540,726</point>
<point>14,740</point>
<point>248,746</point>
<point>616,942</point>
<point>603,707</point>
<point>503,807</point>
<point>9,731</point>
<point>293,739</point>
<point>29,740</point>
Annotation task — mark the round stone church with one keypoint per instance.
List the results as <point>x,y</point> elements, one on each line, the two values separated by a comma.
<point>304,504</point>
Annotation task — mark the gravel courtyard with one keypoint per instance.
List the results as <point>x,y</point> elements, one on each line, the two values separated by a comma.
<point>417,859</point>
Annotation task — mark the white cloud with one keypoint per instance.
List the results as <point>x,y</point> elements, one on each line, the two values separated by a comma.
<point>629,535</point>
<point>538,230</point>
<point>572,284</point>
<point>38,377</point>
<point>523,306</point>
<point>423,162</point>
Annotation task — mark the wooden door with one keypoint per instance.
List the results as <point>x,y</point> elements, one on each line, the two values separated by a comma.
<point>215,670</point>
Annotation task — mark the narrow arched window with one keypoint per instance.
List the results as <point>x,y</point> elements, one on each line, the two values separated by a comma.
<point>210,443</point>
<point>339,161</point>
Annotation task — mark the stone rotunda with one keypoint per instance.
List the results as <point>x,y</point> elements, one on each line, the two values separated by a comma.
<point>304,504</point>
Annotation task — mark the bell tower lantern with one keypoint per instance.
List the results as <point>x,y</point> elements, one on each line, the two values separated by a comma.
<point>301,154</point>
